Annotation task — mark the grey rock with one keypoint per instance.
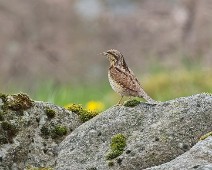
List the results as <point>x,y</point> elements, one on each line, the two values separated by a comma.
<point>199,157</point>
<point>30,147</point>
<point>155,134</point>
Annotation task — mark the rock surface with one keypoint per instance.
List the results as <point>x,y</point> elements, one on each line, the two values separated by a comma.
<point>156,137</point>
<point>155,134</point>
<point>199,157</point>
<point>35,136</point>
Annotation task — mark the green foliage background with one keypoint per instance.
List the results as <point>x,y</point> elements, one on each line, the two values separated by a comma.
<point>160,85</point>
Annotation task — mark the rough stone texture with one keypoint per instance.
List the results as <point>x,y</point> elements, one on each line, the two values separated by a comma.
<point>156,134</point>
<point>199,157</point>
<point>29,147</point>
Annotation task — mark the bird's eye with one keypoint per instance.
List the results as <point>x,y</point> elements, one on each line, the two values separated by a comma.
<point>114,58</point>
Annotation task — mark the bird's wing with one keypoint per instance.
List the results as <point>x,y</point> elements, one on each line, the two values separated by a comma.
<point>126,79</point>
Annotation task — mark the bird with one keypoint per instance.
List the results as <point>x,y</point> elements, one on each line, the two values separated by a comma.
<point>122,79</point>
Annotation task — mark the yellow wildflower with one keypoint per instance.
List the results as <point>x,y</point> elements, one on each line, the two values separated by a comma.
<point>95,106</point>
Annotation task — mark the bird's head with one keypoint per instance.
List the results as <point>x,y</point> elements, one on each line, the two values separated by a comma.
<point>115,57</point>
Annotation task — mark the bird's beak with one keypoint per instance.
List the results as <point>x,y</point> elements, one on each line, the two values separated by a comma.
<point>103,53</point>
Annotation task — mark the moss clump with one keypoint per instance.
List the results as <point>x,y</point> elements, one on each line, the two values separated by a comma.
<point>6,126</point>
<point>87,115</point>
<point>4,107</point>
<point>45,131</point>
<point>117,145</point>
<point>19,102</point>
<point>205,136</point>
<point>113,154</point>
<point>131,103</point>
<point>55,132</point>
<point>50,113</point>
<point>75,108</point>
<point>10,130</point>
<point>3,97</point>
<point>84,115</point>
<point>1,116</point>
<point>3,140</point>
<point>110,163</point>
<point>58,132</point>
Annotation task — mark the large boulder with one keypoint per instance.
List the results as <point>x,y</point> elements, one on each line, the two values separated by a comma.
<point>38,134</point>
<point>150,135</point>
<point>30,131</point>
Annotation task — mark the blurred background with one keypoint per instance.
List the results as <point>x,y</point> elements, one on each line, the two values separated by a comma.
<point>49,48</point>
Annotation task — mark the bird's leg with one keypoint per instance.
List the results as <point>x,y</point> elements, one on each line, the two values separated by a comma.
<point>120,100</point>
<point>129,98</point>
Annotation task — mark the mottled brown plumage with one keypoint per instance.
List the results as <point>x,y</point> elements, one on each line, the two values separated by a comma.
<point>122,79</point>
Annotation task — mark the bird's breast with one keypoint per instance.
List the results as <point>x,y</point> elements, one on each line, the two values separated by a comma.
<point>114,84</point>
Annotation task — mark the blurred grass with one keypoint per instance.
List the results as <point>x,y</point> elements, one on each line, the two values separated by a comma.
<point>168,85</point>
<point>160,85</point>
<point>66,94</point>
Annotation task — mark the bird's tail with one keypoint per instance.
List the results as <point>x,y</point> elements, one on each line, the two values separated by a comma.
<point>145,96</point>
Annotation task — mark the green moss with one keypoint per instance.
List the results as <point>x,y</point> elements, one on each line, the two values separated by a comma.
<point>205,136</point>
<point>75,108</point>
<point>4,107</point>
<point>131,103</point>
<point>36,168</point>
<point>110,163</point>
<point>87,115</point>
<point>45,131</point>
<point>84,115</point>
<point>118,143</point>
<point>3,97</point>
<point>3,140</point>
<point>20,102</point>
<point>55,132</point>
<point>1,116</point>
<point>113,154</point>
<point>10,130</point>
<point>58,132</point>
<point>6,126</point>
<point>50,113</point>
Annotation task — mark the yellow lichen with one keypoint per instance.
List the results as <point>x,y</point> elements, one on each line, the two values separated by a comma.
<point>75,107</point>
<point>84,115</point>
<point>205,136</point>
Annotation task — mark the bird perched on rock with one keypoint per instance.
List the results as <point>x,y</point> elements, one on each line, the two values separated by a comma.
<point>122,79</point>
